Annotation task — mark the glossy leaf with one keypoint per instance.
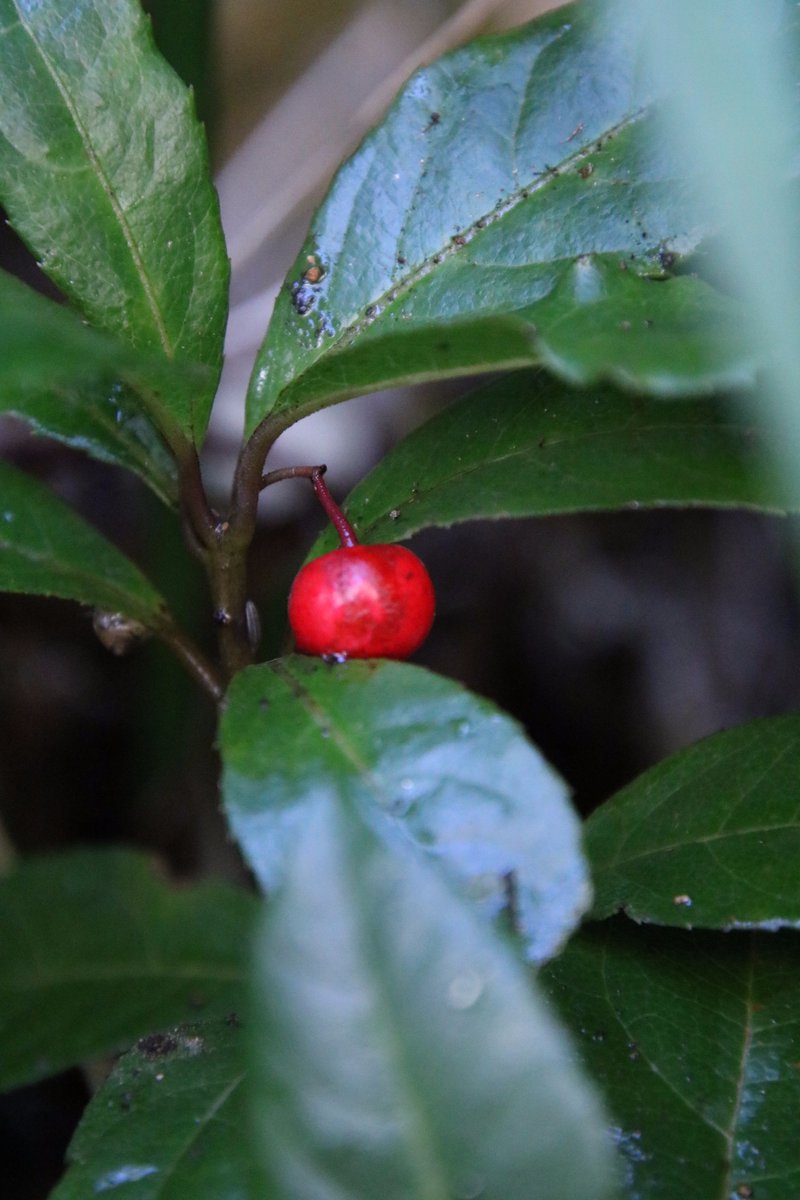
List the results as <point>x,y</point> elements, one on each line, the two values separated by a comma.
<point>170,1123</point>
<point>103,171</point>
<point>63,378</point>
<point>709,837</point>
<point>526,446</point>
<point>96,951</point>
<point>515,206</point>
<point>47,549</point>
<point>398,1050</point>
<point>415,752</point>
<point>694,1039</point>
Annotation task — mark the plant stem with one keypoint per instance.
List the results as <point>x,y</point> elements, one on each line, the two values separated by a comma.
<point>192,658</point>
<point>223,545</point>
<point>291,473</point>
<point>199,521</point>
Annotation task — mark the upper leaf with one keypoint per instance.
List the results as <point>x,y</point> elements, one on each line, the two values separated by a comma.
<point>63,378</point>
<point>527,446</point>
<point>103,171</point>
<point>170,1122</point>
<point>414,751</point>
<point>709,837</point>
<point>398,1049</point>
<point>695,1041</point>
<point>96,952</point>
<point>516,205</point>
<point>47,549</point>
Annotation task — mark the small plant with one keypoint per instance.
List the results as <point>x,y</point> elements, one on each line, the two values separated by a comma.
<point>451,990</point>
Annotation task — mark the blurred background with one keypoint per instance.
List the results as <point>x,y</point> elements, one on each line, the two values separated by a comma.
<point>615,639</point>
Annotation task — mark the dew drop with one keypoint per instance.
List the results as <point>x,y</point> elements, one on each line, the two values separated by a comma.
<point>464,990</point>
<point>407,786</point>
<point>464,728</point>
<point>127,1174</point>
<point>8,517</point>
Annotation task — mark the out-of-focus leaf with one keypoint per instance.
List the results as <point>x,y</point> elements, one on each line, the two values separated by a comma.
<point>63,378</point>
<point>96,952</point>
<point>695,1040</point>
<point>515,206</point>
<point>170,1123</point>
<point>417,753</point>
<point>709,837</point>
<point>47,549</point>
<point>731,76</point>
<point>103,171</point>
<point>526,446</point>
<point>398,1050</point>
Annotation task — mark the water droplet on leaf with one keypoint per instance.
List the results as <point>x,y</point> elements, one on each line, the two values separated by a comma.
<point>464,990</point>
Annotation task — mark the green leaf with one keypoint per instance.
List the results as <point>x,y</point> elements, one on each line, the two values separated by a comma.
<point>398,1049</point>
<point>695,1041</point>
<point>515,206</point>
<point>63,378</point>
<point>170,1123</point>
<point>103,171</point>
<point>709,837</point>
<point>47,549</point>
<point>526,446</point>
<point>96,951</point>
<point>415,752</point>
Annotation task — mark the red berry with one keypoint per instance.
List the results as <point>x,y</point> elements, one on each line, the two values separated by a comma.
<point>362,602</point>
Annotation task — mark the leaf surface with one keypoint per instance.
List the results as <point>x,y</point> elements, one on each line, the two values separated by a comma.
<point>415,752</point>
<point>104,173</point>
<point>170,1123</point>
<point>708,837</point>
<point>48,550</point>
<point>97,952</point>
<point>527,446</point>
<point>694,1039</point>
<point>398,1050</point>
<point>64,379</point>
<point>515,206</point>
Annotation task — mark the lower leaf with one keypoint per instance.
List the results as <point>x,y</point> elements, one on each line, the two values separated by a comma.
<point>398,1051</point>
<point>169,1123</point>
<point>696,1042</point>
<point>95,952</point>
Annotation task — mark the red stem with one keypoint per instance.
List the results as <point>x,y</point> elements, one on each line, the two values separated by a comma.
<point>347,535</point>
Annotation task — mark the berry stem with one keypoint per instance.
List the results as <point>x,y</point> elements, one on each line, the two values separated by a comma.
<point>347,535</point>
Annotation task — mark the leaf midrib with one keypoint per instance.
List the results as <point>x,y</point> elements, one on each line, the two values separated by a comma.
<point>421,1150</point>
<point>406,283</point>
<point>523,192</point>
<point>747,1040</point>
<point>322,718</point>
<point>105,183</point>
<point>199,1126</point>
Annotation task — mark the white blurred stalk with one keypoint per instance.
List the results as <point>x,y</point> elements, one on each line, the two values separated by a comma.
<point>733,114</point>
